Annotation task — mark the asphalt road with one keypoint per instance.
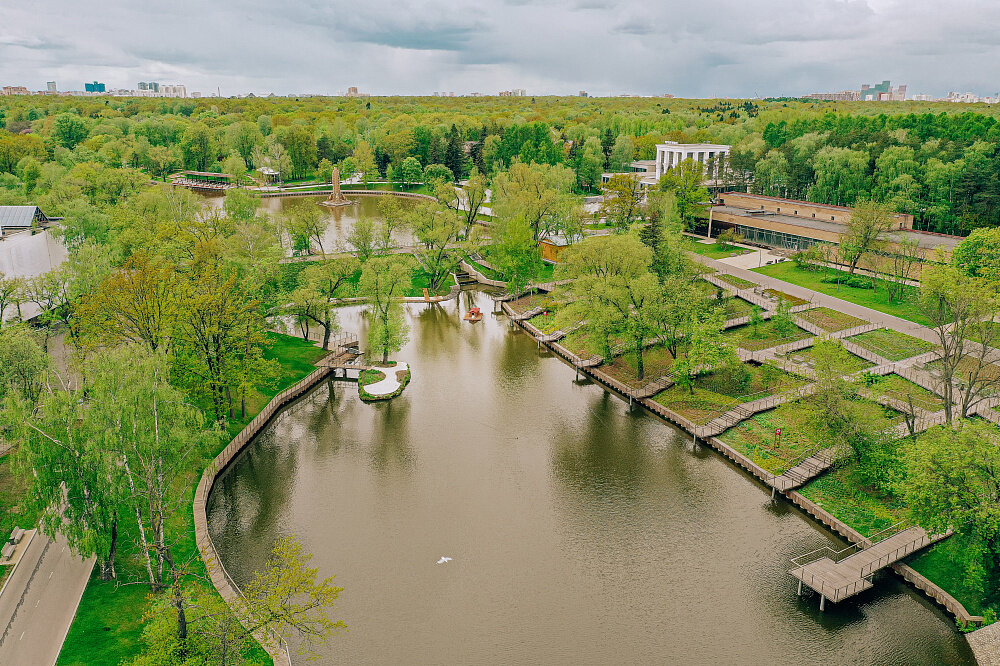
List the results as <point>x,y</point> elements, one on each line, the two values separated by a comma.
<point>38,604</point>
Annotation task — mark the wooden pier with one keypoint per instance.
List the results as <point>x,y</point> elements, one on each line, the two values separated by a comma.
<point>837,579</point>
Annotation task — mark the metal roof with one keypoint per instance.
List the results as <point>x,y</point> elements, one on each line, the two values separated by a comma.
<point>19,217</point>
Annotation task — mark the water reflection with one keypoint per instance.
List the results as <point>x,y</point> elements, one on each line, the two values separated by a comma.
<point>581,531</point>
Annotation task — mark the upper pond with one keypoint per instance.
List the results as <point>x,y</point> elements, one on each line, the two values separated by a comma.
<point>581,531</point>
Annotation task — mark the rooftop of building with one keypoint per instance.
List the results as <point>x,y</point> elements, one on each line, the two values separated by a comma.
<point>786,201</point>
<point>706,146</point>
<point>19,218</point>
<point>924,239</point>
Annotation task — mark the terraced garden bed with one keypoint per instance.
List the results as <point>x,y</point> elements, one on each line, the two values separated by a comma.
<point>863,508</point>
<point>807,356</point>
<point>584,343</point>
<point>788,298</point>
<point>766,336</point>
<point>719,392</point>
<point>900,388</point>
<point>737,282</point>
<point>530,301</point>
<point>546,322</point>
<point>657,362</point>
<point>891,345</point>
<point>829,320</point>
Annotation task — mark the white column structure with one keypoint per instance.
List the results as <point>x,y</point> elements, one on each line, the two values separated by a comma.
<point>714,158</point>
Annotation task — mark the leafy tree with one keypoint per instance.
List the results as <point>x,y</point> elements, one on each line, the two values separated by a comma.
<point>410,171</point>
<point>953,481</point>
<point>978,255</point>
<point>23,364</point>
<point>162,160</point>
<point>684,181</point>
<point>69,130</point>
<point>365,160</point>
<point>301,148</point>
<point>622,153</point>
<point>532,192</point>
<point>385,280</point>
<point>454,154</point>
<point>438,173</point>
<point>591,163</point>
<point>771,175</point>
<point>243,137</point>
<point>841,176</point>
<point>866,228</point>
<point>622,202</point>
<point>198,147</point>
<point>318,286</point>
<point>707,350</point>
<point>959,309</point>
<point>514,253</point>
<point>305,227</point>
<point>437,232</point>
<point>612,276</point>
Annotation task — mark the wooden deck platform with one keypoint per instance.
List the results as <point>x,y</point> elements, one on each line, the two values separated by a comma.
<point>837,580</point>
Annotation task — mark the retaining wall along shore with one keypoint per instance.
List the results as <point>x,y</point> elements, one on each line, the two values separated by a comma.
<point>908,574</point>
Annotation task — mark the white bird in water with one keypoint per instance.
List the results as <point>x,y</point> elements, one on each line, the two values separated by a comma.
<point>444,560</point>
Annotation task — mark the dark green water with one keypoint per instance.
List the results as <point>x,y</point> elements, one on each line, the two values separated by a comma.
<point>581,531</point>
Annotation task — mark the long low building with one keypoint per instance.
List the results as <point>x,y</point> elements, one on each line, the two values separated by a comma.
<point>797,225</point>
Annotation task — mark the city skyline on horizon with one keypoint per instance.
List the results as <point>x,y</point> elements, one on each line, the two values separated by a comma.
<point>765,48</point>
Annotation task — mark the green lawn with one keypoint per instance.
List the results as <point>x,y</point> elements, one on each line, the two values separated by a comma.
<point>583,343</point>
<point>765,336</point>
<point>789,272</point>
<point>546,323</point>
<point>532,300</point>
<point>107,625</point>
<point>712,250</point>
<point>788,298</point>
<point>890,344</point>
<point>830,320</point>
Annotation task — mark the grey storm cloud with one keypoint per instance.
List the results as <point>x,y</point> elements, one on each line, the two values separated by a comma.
<point>712,47</point>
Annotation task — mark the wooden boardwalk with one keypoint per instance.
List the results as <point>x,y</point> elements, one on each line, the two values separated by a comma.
<point>837,580</point>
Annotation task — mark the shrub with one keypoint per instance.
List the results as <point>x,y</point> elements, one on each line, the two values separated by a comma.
<point>856,281</point>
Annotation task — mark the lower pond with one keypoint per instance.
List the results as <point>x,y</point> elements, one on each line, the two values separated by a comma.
<point>581,531</point>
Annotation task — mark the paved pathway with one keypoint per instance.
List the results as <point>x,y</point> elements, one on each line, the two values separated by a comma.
<point>818,299</point>
<point>39,601</point>
<point>389,384</point>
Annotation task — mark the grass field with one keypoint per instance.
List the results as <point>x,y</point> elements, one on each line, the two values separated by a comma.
<point>106,630</point>
<point>890,344</point>
<point>876,300</point>
<point>756,437</point>
<point>788,298</point>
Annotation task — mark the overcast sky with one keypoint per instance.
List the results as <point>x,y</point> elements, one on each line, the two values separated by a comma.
<point>699,48</point>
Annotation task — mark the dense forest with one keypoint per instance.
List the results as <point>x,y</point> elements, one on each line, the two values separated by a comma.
<point>936,161</point>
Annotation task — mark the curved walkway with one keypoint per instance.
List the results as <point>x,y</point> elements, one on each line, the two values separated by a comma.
<point>388,385</point>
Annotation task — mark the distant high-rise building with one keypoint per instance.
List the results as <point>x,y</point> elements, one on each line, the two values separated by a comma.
<point>583,93</point>
<point>14,90</point>
<point>143,85</point>
<point>172,91</point>
<point>882,92</point>
<point>352,91</point>
<point>50,86</point>
<point>95,87</point>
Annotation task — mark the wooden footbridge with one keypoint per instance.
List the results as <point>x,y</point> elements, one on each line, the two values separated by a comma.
<point>344,355</point>
<point>837,575</point>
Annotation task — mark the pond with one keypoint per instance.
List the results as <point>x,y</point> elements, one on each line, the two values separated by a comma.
<point>340,220</point>
<point>581,531</point>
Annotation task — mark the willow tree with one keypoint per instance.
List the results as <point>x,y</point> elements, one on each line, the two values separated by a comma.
<point>615,290</point>
<point>385,281</point>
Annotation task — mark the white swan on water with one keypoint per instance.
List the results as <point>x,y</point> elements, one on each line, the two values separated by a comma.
<point>444,560</point>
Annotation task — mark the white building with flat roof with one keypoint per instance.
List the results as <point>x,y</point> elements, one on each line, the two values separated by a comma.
<point>713,157</point>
